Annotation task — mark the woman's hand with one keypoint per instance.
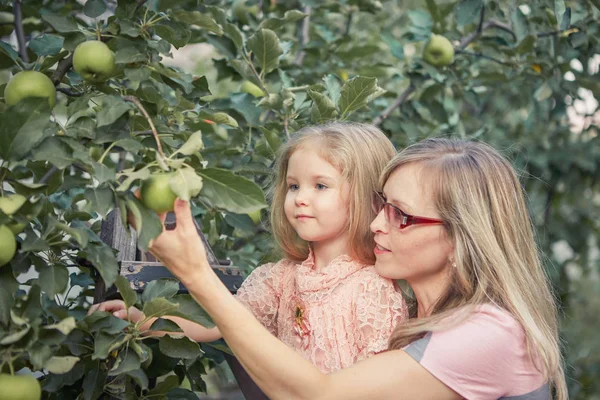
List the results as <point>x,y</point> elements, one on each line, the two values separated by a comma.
<point>180,249</point>
<point>118,309</point>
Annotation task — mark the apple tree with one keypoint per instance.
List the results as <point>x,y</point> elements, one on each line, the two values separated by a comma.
<point>97,104</point>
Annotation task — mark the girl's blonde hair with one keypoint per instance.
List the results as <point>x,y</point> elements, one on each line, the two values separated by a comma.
<point>479,197</point>
<point>359,152</point>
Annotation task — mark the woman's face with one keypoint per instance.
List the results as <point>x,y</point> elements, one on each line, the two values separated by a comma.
<point>417,253</point>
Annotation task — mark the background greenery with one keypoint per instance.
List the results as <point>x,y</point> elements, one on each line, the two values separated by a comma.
<point>525,79</point>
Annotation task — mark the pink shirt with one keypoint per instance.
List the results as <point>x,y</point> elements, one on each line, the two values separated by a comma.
<point>484,357</point>
<point>333,317</point>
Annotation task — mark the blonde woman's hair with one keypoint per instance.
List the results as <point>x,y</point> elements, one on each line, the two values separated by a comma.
<point>479,197</point>
<point>359,152</point>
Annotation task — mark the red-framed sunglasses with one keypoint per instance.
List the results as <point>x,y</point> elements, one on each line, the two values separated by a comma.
<point>395,216</point>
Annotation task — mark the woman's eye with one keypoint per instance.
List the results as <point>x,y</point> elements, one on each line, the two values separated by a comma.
<point>293,186</point>
<point>320,186</point>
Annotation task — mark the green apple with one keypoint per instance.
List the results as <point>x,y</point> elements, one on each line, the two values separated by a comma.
<point>8,247</point>
<point>16,227</point>
<point>438,52</point>
<point>249,87</point>
<point>94,61</point>
<point>156,193</point>
<point>19,387</point>
<point>29,84</point>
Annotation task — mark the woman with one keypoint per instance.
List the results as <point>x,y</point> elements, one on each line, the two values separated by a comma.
<point>456,228</point>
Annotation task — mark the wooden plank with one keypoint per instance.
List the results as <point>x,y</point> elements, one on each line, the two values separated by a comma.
<point>140,273</point>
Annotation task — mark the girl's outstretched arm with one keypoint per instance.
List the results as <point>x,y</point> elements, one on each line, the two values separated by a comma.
<point>190,329</point>
<point>276,368</point>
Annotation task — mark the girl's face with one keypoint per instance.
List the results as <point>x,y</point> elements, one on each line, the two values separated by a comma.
<point>317,199</point>
<point>418,252</point>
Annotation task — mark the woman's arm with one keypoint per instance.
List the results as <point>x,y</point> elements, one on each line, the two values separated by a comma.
<point>277,369</point>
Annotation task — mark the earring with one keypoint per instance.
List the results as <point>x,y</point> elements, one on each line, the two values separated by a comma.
<point>452,262</point>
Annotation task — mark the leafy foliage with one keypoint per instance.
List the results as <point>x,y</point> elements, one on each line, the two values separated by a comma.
<point>520,80</point>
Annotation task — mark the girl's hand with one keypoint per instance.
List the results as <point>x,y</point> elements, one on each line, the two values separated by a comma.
<point>118,309</point>
<point>180,249</point>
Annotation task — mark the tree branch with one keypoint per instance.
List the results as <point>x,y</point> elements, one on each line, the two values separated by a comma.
<point>19,30</point>
<point>553,33</point>
<point>470,53</point>
<point>482,27</point>
<point>139,105</point>
<point>303,34</point>
<point>399,100</point>
<point>63,67</point>
<point>69,92</point>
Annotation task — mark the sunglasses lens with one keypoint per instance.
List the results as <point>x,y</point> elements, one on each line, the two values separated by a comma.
<point>394,216</point>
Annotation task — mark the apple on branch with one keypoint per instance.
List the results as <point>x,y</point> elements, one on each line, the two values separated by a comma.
<point>29,84</point>
<point>439,52</point>
<point>94,61</point>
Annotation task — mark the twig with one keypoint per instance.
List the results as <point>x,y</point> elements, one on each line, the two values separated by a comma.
<point>399,100</point>
<point>470,53</point>
<point>48,175</point>
<point>483,26</point>
<point>304,31</point>
<point>63,67</point>
<point>553,33</point>
<point>69,92</point>
<point>19,30</point>
<point>348,23</point>
<point>139,105</point>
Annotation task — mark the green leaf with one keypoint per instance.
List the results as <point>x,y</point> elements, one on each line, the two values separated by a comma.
<point>113,107</point>
<point>15,337</point>
<point>129,55</point>
<point>100,200</point>
<point>54,279</point>
<point>158,307</point>
<point>9,51</point>
<point>127,361</point>
<point>61,23</point>
<point>201,20</point>
<point>65,326</point>
<point>192,145</point>
<point>519,24</point>
<point>234,33</point>
<point>356,93</point>
<point>79,234</point>
<point>94,8</point>
<point>47,44</point>
<point>127,293</point>
<point>526,44</point>
<point>165,288</point>
<point>11,203</point>
<point>103,258</point>
<point>22,128</point>
<point>323,109</point>
<point>173,32</point>
<point>179,347</point>
<point>559,11</point>
<point>231,192</point>
<point>266,48</point>
<point>218,117</point>
<point>164,325</point>
<point>272,139</point>
<point>543,92</point>
<point>94,381</point>
<point>8,287</point>
<point>147,223</point>
<point>61,365</point>
<point>105,343</point>
<point>185,183</point>
<point>276,23</point>
<point>190,309</point>
<point>467,11</point>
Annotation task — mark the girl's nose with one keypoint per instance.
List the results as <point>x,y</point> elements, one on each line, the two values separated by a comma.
<point>379,224</point>
<point>301,198</point>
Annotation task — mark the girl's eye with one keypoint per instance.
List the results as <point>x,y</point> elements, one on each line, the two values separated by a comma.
<point>293,187</point>
<point>320,186</point>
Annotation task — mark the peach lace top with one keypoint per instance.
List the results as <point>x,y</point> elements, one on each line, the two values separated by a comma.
<point>333,317</point>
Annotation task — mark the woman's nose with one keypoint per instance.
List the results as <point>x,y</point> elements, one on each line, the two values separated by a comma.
<point>379,224</point>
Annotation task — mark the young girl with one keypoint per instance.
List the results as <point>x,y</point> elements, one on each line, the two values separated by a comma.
<point>324,298</point>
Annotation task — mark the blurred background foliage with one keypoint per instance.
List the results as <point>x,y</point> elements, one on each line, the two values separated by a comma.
<point>525,78</point>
